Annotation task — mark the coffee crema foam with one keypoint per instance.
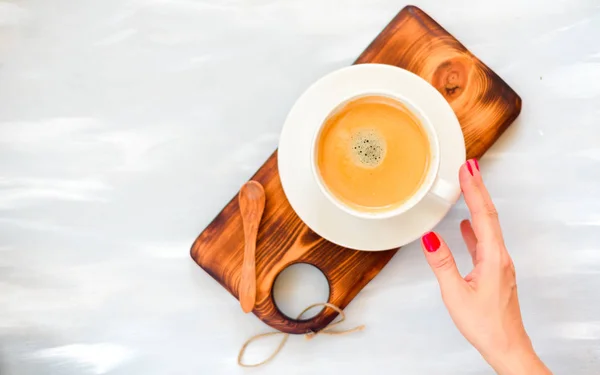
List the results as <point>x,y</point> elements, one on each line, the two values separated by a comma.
<point>368,147</point>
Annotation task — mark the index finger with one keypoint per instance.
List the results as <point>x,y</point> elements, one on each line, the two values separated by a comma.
<point>483,212</point>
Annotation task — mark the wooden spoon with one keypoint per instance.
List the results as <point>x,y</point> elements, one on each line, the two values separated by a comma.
<point>252,205</point>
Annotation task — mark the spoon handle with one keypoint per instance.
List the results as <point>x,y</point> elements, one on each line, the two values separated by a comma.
<point>248,282</point>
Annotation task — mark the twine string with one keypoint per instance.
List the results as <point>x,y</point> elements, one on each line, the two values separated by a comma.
<point>310,335</point>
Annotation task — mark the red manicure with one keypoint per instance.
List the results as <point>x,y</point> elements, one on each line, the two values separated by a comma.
<point>476,164</point>
<point>469,168</point>
<point>431,242</point>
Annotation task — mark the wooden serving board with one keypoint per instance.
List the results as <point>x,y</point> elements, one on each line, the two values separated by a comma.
<point>485,106</point>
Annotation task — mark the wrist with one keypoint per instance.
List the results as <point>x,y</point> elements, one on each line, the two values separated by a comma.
<point>518,360</point>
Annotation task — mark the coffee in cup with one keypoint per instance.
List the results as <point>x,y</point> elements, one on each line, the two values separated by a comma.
<point>372,153</point>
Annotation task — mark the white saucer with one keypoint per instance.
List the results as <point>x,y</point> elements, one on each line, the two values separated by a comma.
<point>295,147</point>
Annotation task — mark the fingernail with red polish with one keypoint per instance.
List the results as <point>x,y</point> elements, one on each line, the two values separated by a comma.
<point>431,242</point>
<point>469,168</point>
<point>476,163</point>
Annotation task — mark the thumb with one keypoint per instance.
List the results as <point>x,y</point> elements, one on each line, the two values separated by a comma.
<point>441,261</point>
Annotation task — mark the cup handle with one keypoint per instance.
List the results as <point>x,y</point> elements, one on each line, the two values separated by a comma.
<point>445,191</point>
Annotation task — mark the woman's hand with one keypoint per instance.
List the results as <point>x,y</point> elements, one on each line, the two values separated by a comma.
<point>484,304</point>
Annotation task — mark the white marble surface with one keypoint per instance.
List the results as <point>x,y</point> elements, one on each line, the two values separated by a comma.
<point>126,125</point>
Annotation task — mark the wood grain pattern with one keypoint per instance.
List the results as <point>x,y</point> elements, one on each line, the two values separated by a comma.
<point>485,106</point>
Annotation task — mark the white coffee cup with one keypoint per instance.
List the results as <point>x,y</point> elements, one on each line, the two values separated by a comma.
<point>328,216</point>
<point>432,184</point>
